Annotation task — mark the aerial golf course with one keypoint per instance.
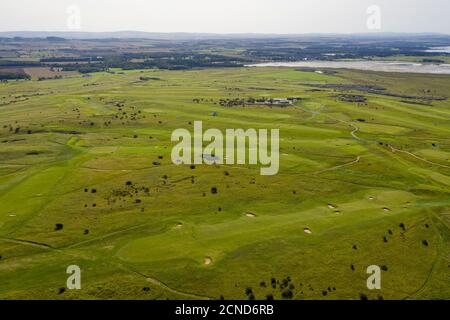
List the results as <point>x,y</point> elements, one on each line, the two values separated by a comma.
<point>86,179</point>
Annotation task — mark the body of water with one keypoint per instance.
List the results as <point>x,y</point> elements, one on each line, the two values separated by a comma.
<point>439,50</point>
<point>386,66</point>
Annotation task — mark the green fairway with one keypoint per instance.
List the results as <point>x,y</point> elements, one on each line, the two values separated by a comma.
<point>86,179</point>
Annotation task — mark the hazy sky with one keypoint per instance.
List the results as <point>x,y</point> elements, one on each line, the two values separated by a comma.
<point>224,16</point>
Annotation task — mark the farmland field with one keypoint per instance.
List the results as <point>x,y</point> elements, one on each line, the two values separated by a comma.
<point>86,179</point>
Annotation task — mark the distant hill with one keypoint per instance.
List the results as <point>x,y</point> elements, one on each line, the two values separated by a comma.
<point>126,35</point>
<point>58,35</point>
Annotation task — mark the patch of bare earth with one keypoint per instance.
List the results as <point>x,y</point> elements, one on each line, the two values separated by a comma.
<point>44,72</point>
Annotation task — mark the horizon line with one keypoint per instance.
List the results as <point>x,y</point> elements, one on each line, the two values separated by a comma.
<point>231,33</point>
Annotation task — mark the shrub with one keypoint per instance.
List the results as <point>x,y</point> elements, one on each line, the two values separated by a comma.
<point>287,294</point>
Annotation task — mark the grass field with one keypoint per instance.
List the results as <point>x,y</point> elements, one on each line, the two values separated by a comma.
<point>80,184</point>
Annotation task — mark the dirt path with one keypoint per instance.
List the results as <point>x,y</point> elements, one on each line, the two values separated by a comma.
<point>355,130</point>
<point>29,243</point>
<point>339,166</point>
<point>394,150</point>
<point>152,280</point>
<point>439,256</point>
<point>105,236</point>
<point>161,284</point>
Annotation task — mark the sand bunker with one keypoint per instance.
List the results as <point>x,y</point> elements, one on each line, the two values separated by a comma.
<point>179,225</point>
<point>208,260</point>
<point>250,214</point>
<point>386,209</point>
<point>371,198</point>
<point>330,206</point>
<point>307,230</point>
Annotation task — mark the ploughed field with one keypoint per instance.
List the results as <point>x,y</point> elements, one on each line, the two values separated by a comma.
<point>86,179</point>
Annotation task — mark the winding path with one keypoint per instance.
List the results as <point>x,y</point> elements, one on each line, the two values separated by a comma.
<point>394,150</point>
<point>339,166</point>
<point>161,284</point>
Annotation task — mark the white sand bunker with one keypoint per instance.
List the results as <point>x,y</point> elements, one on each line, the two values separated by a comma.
<point>386,209</point>
<point>250,214</point>
<point>208,260</point>
<point>307,230</point>
<point>331,206</point>
<point>179,225</point>
<point>371,198</point>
